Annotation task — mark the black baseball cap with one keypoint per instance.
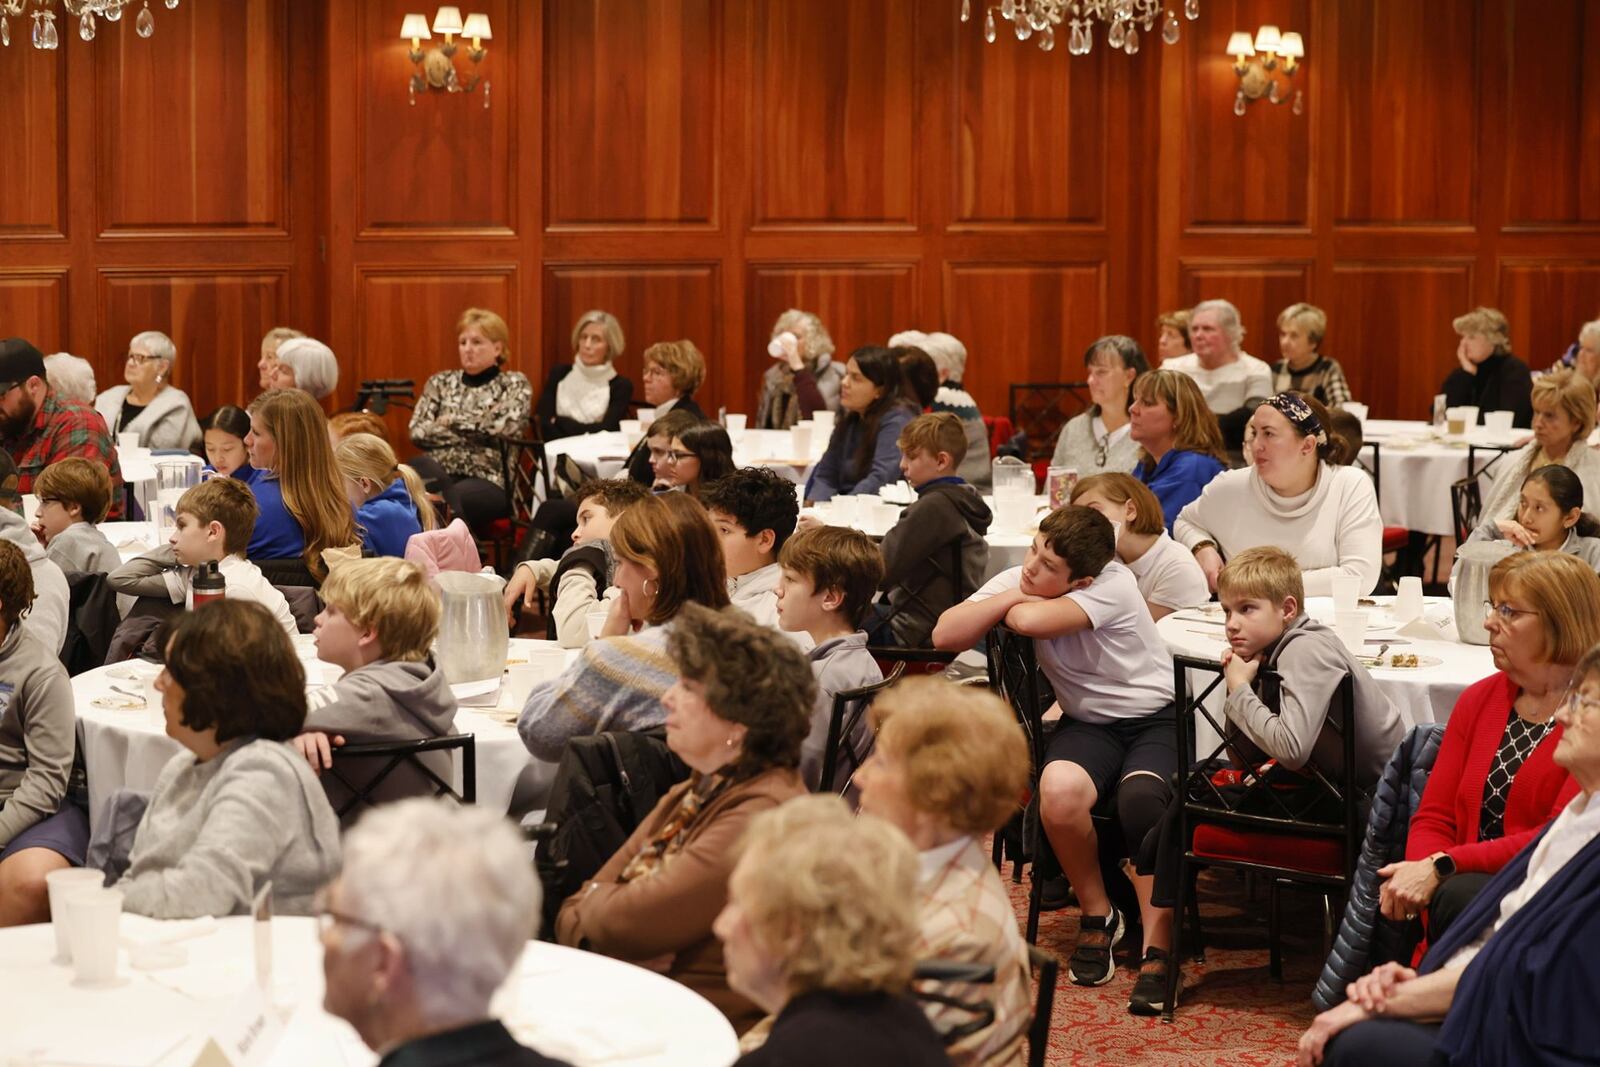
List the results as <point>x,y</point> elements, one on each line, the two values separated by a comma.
<point>19,361</point>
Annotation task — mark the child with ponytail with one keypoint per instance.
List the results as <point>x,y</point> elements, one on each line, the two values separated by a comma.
<point>389,500</point>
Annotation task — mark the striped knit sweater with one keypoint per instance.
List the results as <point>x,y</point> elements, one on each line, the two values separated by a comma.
<point>615,684</point>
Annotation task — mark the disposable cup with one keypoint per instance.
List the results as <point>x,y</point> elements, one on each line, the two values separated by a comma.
<point>1346,588</point>
<point>1351,626</point>
<point>597,621</point>
<point>1358,410</point>
<point>57,885</point>
<point>631,426</point>
<point>845,511</point>
<point>1408,600</point>
<point>1499,421</point>
<point>93,919</point>
<point>735,423</point>
<point>520,680</point>
<point>547,663</point>
<point>646,417</point>
<point>128,440</point>
<point>1469,415</point>
<point>822,423</point>
<point>800,441</point>
<point>631,438</point>
<point>887,515</point>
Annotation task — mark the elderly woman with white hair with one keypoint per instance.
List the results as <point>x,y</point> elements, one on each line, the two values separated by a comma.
<point>949,357</point>
<point>1489,377</point>
<point>1231,379</point>
<point>147,405</point>
<point>587,395</point>
<point>433,909</point>
<point>804,377</point>
<point>306,364</point>
<point>70,376</point>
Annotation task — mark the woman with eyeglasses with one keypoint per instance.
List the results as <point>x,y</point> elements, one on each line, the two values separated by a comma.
<point>147,405</point>
<point>696,456</point>
<point>1494,784</point>
<point>1099,440</point>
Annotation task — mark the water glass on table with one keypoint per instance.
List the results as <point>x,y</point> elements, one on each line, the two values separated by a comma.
<point>1351,626</point>
<point>94,919</point>
<point>58,884</point>
<point>1346,591</point>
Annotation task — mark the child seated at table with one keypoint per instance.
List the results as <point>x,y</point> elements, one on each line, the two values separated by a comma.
<point>390,503</point>
<point>1550,518</point>
<point>936,554</point>
<point>829,574</point>
<point>754,510</point>
<point>75,494</point>
<point>215,520</point>
<point>582,576</point>
<point>40,829</point>
<point>378,625</point>
<point>1168,576</point>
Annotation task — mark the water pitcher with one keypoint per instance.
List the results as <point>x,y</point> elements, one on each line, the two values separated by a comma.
<point>473,638</point>
<point>1476,560</point>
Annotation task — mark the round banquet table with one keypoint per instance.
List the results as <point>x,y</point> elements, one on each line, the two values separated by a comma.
<point>603,454</point>
<point>1417,465</point>
<point>125,744</point>
<point>1008,544</point>
<point>568,1004</point>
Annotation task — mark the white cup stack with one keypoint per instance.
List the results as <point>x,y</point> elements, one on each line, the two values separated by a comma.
<point>822,424</point>
<point>58,885</point>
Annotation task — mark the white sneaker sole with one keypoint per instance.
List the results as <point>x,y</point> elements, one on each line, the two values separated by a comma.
<point>1119,928</point>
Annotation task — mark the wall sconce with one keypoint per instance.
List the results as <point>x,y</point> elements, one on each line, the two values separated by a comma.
<point>1254,62</point>
<point>436,67</point>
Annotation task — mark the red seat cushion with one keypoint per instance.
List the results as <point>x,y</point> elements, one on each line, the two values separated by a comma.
<point>1395,538</point>
<point>498,530</point>
<point>1314,855</point>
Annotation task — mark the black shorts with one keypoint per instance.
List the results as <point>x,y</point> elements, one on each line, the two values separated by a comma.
<point>1110,751</point>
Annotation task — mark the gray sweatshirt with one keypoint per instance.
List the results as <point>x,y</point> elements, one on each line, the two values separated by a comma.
<point>37,732</point>
<point>47,619</point>
<point>838,664</point>
<point>83,548</point>
<point>1312,660</point>
<point>216,832</point>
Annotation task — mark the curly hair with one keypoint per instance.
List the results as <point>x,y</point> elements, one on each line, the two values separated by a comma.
<point>833,893</point>
<point>757,498</point>
<point>239,671</point>
<point>16,584</point>
<point>753,675</point>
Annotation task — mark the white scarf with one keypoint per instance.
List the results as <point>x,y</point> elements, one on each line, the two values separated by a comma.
<point>585,393</point>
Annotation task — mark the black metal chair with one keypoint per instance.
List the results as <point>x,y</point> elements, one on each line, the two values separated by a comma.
<point>850,707</point>
<point>1039,410</point>
<point>388,756</point>
<point>1046,971</point>
<point>524,462</point>
<point>1466,507</point>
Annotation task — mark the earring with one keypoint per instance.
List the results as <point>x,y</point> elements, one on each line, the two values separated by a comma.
<point>647,590</point>
<point>729,742</point>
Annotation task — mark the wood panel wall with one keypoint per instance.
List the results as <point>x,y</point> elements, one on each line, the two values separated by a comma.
<point>697,166</point>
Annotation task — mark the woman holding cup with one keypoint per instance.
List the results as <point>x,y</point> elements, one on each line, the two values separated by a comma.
<point>804,378</point>
<point>1099,439</point>
<point>1563,415</point>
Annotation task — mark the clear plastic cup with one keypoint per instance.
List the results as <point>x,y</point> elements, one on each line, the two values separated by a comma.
<point>94,917</point>
<point>57,885</point>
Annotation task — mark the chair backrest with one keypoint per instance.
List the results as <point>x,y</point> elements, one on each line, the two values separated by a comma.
<point>1014,674</point>
<point>385,757</point>
<point>1375,468</point>
<point>1040,409</point>
<point>1000,430</point>
<point>850,708</point>
<point>92,621</point>
<point>1466,506</point>
<point>525,463</point>
<point>1046,967</point>
<point>910,660</point>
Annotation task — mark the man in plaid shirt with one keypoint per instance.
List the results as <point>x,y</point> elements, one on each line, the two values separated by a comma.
<point>39,427</point>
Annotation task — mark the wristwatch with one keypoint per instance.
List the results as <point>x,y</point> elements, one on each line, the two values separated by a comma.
<point>1443,866</point>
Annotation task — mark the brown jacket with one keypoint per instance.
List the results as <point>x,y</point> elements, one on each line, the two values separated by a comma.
<point>664,920</point>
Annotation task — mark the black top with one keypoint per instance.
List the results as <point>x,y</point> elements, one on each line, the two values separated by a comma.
<point>472,380</point>
<point>553,426</point>
<point>1516,745</point>
<point>849,1030</point>
<point>1503,383</point>
<point>485,1044</point>
<point>130,411</point>
<point>638,465</point>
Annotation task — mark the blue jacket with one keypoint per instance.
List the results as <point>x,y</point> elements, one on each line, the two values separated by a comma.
<point>1178,479</point>
<point>833,475</point>
<point>388,520</point>
<point>278,534</point>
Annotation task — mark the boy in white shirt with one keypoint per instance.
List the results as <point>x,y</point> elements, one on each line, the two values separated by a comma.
<point>1112,675</point>
<point>214,522</point>
<point>754,510</point>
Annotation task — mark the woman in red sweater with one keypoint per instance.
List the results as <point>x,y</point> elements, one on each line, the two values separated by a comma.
<point>1494,784</point>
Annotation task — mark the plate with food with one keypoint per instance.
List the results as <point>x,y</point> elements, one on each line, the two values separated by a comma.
<point>118,703</point>
<point>1399,661</point>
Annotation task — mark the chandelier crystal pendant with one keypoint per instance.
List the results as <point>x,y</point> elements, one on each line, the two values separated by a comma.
<point>46,37</point>
<point>1124,20</point>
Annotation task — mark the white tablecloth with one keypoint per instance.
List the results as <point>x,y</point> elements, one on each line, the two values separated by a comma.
<point>128,747</point>
<point>1008,544</point>
<point>1417,468</point>
<point>571,1005</point>
<point>603,454</point>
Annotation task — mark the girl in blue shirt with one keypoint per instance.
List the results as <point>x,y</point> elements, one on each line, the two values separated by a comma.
<point>225,430</point>
<point>390,502</point>
<point>1180,443</point>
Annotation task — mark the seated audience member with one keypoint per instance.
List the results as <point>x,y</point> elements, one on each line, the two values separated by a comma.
<point>950,357</point>
<point>820,932</point>
<point>862,455</point>
<point>37,427</point>
<point>303,509</point>
<point>1303,367</point>
<point>240,808</point>
<point>225,430</point>
<point>1494,783</point>
<point>431,912</point>
<point>1173,339</point>
<point>667,555</point>
<point>949,768</point>
<point>754,511</point>
<point>1099,439</point>
<point>1297,495</point>
<point>919,375</point>
<point>1582,355</point>
<point>306,364</point>
<point>1563,415</point>
<point>378,626</point>
<point>160,414</point>
<point>47,619</point>
<point>213,524</point>
<point>936,553</point>
<point>40,829</point>
<point>1550,518</point>
<point>804,377</point>
<point>389,501</point>
<point>650,459</point>
<point>269,352</point>
<point>1180,446</point>
<point>736,714</point>
<point>1504,984</point>
<point>587,395</point>
<point>673,370</point>
<point>829,576</point>
<point>581,578</point>
<point>696,457</point>
<point>1099,648</point>
<point>1168,576</point>
<point>346,423</point>
<point>70,376</point>
<point>1489,377</point>
<point>74,494</point>
<point>1231,379</point>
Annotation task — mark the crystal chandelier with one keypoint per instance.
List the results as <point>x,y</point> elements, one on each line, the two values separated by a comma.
<point>1125,19</point>
<point>43,13</point>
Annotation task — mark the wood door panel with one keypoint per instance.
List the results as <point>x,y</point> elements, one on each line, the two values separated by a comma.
<point>1547,303</point>
<point>1259,290</point>
<point>1548,179</point>
<point>1396,342</point>
<point>33,305</point>
<point>33,101</point>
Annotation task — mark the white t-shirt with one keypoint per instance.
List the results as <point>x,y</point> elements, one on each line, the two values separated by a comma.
<point>1169,576</point>
<point>1229,386</point>
<point>1119,668</point>
<point>244,581</point>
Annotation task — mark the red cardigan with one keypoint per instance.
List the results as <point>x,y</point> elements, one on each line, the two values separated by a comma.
<point>1447,818</point>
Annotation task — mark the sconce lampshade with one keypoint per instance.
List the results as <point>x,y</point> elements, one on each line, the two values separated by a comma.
<point>415,27</point>
<point>477,27</point>
<point>1267,39</point>
<point>1239,44</point>
<point>448,20</point>
<point>1292,45</point>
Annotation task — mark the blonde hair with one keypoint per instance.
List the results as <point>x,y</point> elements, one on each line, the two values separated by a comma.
<point>1570,392</point>
<point>1488,323</point>
<point>1119,488</point>
<point>963,754</point>
<point>609,326</point>
<point>391,596</point>
<point>1563,590</point>
<point>492,326</point>
<point>1313,320</point>
<point>1178,320</point>
<point>369,457</point>
<point>1267,572</point>
<point>279,334</point>
<point>834,894</point>
<point>808,330</point>
<point>1194,426</point>
<point>305,470</point>
<point>682,361</point>
<point>930,434</point>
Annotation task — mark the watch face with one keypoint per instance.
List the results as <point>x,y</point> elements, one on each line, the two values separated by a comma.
<point>1444,866</point>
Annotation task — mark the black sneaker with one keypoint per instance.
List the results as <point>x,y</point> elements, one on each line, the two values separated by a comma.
<point>1098,937</point>
<point>1150,991</point>
<point>1056,893</point>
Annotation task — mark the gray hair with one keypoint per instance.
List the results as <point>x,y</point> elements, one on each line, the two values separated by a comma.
<point>316,370</point>
<point>910,339</point>
<point>808,330</point>
<point>70,376</point>
<point>608,325</point>
<point>1589,335</point>
<point>1227,317</point>
<point>453,883</point>
<point>155,343</point>
<point>948,354</point>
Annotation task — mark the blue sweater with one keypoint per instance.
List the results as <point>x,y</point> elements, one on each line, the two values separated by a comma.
<point>388,520</point>
<point>278,534</point>
<point>833,475</point>
<point>1178,479</point>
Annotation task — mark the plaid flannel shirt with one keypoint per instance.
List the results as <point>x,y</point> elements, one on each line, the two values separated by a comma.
<point>61,429</point>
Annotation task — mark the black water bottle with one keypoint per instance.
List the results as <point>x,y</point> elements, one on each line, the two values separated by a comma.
<point>209,584</point>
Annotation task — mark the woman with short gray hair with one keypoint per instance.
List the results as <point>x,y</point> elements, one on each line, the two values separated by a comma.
<point>804,376</point>
<point>1097,441</point>
<point>70,376</point>
<point>147,405</point>
<point>306,364</point>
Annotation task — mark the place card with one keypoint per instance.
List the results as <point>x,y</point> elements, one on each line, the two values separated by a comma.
<point>1426,629</point>
<point>243,1034</point>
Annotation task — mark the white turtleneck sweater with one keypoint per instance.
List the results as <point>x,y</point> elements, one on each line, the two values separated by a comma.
<point>1333,528</point>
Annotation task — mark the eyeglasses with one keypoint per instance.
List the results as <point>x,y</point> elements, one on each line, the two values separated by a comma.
<point>327,918</point>
<point>141,358</point>
<point>1506,612</point>
<point>51,500</point>
<point>668,455</point>
<point>1581,705</point>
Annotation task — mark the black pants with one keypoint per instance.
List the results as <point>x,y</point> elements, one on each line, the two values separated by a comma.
<point>1384,1043</point>
<point>1450,900</point>
<point>476,501</point>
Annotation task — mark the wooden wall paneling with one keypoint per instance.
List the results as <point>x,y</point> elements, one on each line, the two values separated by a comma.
<point>1395,339</point>
<point>33,100</point>
<point>834,109</point>
<point>1547,302</point>
<point>33,304</point>
<point>632,95</point>
<point>1260,290</point>
<point>1554,118</point>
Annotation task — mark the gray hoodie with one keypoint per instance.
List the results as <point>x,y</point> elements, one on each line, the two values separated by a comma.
<point>37,732</point>
<point>47,619</point>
